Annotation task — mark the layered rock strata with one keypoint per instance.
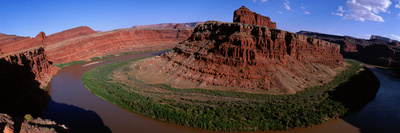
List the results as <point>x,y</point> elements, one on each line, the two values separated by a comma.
<point>114,42</point>
<point>165,25</point>
<point>247,56</point>
<point>244,15</point>
<point>13,44</point>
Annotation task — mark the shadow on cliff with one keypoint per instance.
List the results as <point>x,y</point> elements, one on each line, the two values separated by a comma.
<point>78,120</point>
<point>20,93</point>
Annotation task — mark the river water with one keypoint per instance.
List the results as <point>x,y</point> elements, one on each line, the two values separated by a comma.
<point>82,111</point>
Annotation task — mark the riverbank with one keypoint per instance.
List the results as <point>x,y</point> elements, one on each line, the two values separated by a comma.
<point>223,110</point>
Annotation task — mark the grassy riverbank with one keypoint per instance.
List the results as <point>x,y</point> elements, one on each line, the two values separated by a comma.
<point>227,110</point>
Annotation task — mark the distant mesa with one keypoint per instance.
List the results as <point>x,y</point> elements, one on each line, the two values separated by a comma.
<point>250,56</point>
<point>169,25</point>
<point>376,37</point>
<point>244,15</point>
<point>176,26</point>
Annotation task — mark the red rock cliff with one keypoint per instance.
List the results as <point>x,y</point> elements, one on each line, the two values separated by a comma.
<point>253,57</point>
<point>114,42</point>
<point>37,61</point>
<point>244,15</point>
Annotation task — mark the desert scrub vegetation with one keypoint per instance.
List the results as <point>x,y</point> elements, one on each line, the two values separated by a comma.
<point>241,112</point>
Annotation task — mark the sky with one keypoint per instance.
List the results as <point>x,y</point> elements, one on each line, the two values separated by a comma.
<point>357,18</point>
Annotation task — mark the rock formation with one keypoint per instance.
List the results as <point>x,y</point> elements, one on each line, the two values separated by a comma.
<point>165,25</point>
<point>244,15</point>
<point>247,56</point>
<point>114,42</point>
<point>12,125</point>
<point>375,51</point>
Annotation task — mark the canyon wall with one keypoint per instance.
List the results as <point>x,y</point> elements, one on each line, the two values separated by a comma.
<point>376,51</point>
<point>16,44</point>
<point>22,76</point>
<point>114,42</point>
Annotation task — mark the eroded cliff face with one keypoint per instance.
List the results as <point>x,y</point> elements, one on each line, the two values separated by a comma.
<point>36,61</point>
<point>244,15</point>
<point>114,42</point>
<point>248,56</point>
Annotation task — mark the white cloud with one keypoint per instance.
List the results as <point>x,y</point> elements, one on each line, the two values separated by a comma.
<point>395,37</point>
<point>262,1</point>
<point>279,12</point>
<point>338,14</point>
<point>303,7</point>
<point>286,5</point>
<point>307,13</point>
<point>362,10</point>
<point>397,5</point>
<point>340,11</point>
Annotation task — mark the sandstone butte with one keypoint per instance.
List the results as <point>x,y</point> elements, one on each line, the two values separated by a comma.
<point>249,56</point>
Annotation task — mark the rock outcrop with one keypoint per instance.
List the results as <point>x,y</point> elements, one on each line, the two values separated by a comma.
<point>248,56</point>
<point>244,15</point>
<point>375,51</point>
<point>165,25</point>
<point>114,42</point>
<point>20,125</point>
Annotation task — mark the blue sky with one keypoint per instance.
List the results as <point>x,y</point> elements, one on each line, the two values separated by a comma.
<point>358,18</point>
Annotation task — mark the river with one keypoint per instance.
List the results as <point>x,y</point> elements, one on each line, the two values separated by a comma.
<point>82,111</point>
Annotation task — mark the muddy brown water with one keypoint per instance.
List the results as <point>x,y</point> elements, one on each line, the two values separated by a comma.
<point>82,111</point>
